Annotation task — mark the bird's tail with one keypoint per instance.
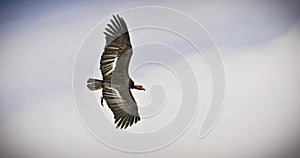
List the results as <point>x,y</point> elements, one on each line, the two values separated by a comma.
<point>94,84</point>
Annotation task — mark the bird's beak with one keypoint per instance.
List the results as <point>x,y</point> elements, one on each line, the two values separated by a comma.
<point>140,87</point>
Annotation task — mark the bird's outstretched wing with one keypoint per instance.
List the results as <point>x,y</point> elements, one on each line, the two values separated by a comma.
<point>114,68</point>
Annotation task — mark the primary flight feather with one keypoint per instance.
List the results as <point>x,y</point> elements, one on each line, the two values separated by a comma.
<point>116,83</point>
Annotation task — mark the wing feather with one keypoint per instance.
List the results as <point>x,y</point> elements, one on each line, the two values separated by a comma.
<point>118,24</point>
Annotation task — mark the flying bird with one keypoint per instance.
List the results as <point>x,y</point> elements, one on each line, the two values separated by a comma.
<point>116,83</point>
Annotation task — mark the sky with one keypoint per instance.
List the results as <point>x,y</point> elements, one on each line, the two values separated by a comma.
<point>49,49</point>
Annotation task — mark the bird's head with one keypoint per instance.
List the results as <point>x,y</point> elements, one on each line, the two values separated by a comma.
<point>139,87</point>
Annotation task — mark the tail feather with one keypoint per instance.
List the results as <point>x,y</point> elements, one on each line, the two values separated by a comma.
<point>94,84</point>
<point>91,80</point>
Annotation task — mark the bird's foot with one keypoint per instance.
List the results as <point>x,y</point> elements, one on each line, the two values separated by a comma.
<point>102,101</point>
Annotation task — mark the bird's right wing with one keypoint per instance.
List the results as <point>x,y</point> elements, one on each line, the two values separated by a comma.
<point>120,101</point>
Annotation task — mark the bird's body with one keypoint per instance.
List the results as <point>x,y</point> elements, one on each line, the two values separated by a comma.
<point>116,83</point>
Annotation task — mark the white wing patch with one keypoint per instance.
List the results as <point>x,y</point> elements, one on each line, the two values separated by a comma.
<point>114,64</point>
<point>116,92</point>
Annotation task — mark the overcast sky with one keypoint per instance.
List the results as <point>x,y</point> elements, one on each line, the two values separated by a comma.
<point>258,42</point>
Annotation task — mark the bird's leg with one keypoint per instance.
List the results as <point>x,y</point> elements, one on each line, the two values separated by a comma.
<point>102,101</point>
<point>138,87</point>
